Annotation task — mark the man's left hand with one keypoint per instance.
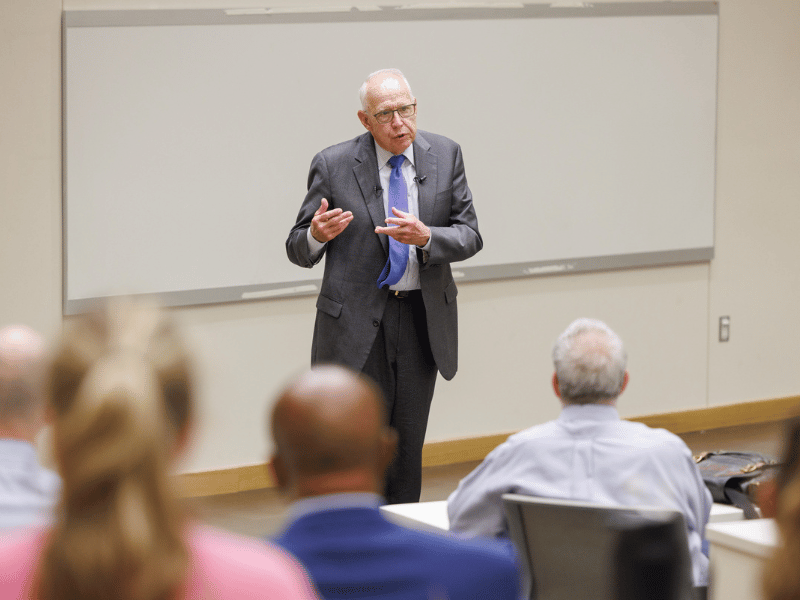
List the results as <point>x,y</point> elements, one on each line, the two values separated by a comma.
<point>408,229</point>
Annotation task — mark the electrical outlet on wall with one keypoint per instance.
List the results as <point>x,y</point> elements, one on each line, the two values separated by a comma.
<point>724,329</point>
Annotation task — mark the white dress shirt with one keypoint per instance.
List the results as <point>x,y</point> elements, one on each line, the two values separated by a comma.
<point>587,454</point>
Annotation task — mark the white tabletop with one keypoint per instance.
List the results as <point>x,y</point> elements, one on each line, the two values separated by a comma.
<point>756,537</point>
<point>739,550</point>
<point>432,516</point>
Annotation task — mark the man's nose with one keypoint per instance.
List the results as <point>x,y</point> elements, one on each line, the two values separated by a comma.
<point>397,120</point>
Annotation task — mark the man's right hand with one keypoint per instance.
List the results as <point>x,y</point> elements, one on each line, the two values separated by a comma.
<point>327,224</point>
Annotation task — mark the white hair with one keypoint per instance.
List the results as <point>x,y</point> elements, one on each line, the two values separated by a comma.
<point>362,91</point>
<point>590,362</point>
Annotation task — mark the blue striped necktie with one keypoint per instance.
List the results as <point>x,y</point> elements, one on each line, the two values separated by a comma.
<point>398,251</point>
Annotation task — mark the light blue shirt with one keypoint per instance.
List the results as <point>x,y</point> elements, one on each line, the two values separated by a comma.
<point>587,454</point>
<point>28,492</point>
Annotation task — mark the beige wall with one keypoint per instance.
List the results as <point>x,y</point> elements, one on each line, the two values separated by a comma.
<point>667,316</point>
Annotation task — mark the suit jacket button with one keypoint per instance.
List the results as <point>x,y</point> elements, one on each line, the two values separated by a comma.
<point>376,322</point>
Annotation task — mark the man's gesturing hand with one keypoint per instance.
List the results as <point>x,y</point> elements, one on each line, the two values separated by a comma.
<point>327,224</point>
<point>409,229</point>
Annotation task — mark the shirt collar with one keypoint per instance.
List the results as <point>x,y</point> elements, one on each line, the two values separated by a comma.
<point>305,506</point>
<point>588,412</point>
<point>383,156</point>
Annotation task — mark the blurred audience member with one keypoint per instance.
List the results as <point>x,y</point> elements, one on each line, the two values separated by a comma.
<point>588,453</point>
<point>332,447</point>
<point>28,491</point>
<point>781,575</point>
<point>121,395</point>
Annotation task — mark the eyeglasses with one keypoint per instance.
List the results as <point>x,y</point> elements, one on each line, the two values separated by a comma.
<point>385,116</point>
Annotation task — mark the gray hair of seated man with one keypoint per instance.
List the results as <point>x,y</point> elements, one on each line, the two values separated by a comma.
<point>590,362</point>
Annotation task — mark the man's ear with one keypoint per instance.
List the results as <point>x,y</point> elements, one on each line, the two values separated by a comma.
<point>277,470</point>
<point>48,414</point>
<point>556,389</point>
<point>364,118</point>
<point>624,382</point>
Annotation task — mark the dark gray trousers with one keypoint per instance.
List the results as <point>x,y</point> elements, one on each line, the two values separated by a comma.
<point>402,365</point>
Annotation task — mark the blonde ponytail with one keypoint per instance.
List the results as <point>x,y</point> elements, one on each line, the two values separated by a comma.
<point>121,397</point>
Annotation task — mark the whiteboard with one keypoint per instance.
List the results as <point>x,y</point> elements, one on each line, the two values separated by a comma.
<point>588,136</point>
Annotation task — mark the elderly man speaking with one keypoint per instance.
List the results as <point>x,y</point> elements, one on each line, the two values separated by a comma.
<point>390,210</point>
<point>588,453</point>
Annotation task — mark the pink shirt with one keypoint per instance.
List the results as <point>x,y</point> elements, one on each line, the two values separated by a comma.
<point>222,566</point>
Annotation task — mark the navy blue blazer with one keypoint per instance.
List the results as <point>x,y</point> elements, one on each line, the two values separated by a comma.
<point>357,553</point>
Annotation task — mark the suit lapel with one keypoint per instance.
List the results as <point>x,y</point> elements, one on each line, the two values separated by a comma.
<point>366,173</point>
<point>427,174</point>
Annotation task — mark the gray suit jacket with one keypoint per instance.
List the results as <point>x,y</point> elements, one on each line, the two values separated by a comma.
<point>350,305</point>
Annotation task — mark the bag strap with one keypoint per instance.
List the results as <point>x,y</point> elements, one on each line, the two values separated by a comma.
<point>741,500</point>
